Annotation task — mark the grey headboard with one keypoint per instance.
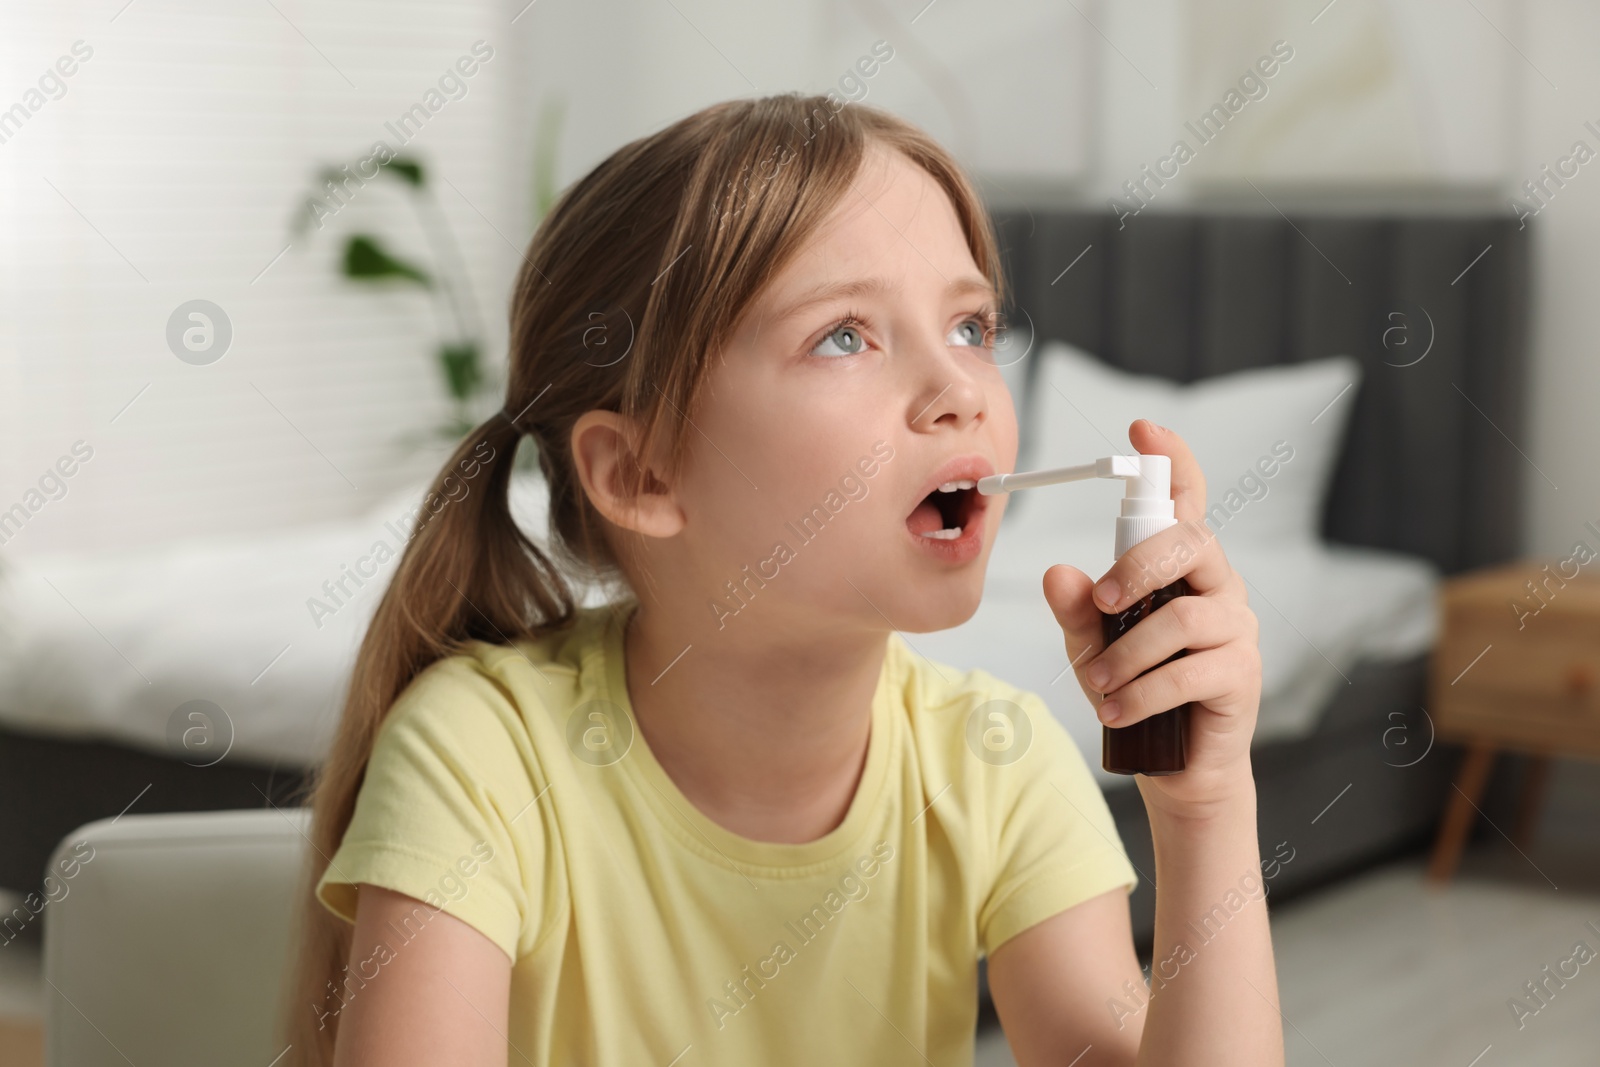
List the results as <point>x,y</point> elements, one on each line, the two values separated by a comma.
<point>1191,294</point>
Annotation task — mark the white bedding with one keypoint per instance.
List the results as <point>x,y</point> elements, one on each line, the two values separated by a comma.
<point>110,646</point>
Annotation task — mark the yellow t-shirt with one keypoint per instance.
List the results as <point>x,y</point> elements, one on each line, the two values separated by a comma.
<point>509,787</point>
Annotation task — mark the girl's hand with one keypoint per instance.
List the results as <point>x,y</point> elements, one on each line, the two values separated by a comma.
<point>1221,675</point>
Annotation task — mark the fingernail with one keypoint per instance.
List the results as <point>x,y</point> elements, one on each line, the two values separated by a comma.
<point>1098,674</point>
<point>1107,592</point>
<point>1109,710</point>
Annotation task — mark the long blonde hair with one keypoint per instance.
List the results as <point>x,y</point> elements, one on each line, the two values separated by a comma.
<point>637,276</point>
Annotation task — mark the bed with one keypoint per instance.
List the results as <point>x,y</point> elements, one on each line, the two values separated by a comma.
<point>208,680</point>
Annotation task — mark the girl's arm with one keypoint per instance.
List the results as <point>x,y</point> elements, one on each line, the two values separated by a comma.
<point>1215,988</point>
<point>441,997</point>
<point>1069,987</point>
<point>1054,984</point>
<point>1069,990</point>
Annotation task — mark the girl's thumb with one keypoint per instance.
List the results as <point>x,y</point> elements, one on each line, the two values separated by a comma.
<point>1069,592</point>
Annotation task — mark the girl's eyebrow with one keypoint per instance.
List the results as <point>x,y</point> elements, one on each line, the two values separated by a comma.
<point>876,287</point>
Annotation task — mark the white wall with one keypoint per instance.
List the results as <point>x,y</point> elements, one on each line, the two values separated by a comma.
<point>1564,433</point>
<point>629,67</point>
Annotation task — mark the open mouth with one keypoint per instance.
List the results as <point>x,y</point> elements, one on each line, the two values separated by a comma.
<point>943,514</point>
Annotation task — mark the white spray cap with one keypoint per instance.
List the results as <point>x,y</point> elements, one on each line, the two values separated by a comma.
<point>1147,497</point>
<point>1147,506</point>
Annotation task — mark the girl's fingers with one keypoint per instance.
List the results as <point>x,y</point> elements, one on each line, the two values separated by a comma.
<point>1188,481</point>
<point>1207,676</point>
<point>1067,590</point>
<point>1188,550</point>
<point>1188,622</point>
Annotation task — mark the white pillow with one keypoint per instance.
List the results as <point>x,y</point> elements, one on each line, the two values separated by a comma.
<point>1267,440</point>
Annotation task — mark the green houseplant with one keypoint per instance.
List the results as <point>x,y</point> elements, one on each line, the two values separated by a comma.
<point>369,260</point>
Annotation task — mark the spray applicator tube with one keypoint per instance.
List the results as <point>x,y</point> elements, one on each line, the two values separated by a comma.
<point>1155,745</point>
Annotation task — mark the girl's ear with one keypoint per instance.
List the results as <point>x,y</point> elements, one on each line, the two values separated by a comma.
<point>603,451</point>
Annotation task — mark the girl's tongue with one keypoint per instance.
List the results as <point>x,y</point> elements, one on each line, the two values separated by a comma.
<point>941,511</point>
<point>926,519</point>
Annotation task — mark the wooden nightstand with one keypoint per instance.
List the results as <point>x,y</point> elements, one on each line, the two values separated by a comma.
<point>1517,668</point>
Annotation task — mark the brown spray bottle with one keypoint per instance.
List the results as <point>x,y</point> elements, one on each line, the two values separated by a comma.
<point>1155,745</point>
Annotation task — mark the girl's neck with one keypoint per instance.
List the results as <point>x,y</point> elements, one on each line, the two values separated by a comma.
<point>766,734</point>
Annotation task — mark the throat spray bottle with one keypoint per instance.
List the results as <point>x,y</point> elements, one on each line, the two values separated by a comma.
<point>1155,745</point>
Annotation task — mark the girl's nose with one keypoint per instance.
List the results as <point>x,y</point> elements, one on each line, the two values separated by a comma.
<point>948,397</point>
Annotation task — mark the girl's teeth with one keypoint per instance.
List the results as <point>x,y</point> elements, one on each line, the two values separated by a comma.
<point>943,535</point>
<point>964,483</point>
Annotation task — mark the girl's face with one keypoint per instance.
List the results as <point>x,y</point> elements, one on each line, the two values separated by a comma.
<point>859,381</point>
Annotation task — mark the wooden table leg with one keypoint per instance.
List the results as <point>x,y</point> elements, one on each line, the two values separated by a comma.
<point>1462,810</point>
<point>1532,798</point>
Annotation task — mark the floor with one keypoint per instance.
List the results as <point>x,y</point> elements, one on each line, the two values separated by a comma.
<point>1377,970</point>
<point>1384,970</point>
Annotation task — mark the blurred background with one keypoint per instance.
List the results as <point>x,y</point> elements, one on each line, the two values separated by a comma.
<point>255,261</point>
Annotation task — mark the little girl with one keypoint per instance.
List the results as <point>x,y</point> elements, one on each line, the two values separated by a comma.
<point>732,816</point>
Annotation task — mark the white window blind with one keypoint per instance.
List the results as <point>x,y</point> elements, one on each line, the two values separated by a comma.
<point>166,168</point>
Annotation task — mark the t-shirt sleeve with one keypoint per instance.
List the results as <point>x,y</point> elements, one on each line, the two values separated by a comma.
<point>447,811</point>
<point>1055,842</point>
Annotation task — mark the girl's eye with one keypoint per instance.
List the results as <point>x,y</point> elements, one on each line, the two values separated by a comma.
<point>978,331</point>
<point>970,332</point>
<point>845,337</point>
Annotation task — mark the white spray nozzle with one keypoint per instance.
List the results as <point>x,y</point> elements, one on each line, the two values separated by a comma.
<point>1109,467</point>
<point>1147,497</point>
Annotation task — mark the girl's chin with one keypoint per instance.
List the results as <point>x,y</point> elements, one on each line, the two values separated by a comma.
<point>941,605</point>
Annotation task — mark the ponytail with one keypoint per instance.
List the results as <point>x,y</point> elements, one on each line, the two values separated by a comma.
<point>467,573</point>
